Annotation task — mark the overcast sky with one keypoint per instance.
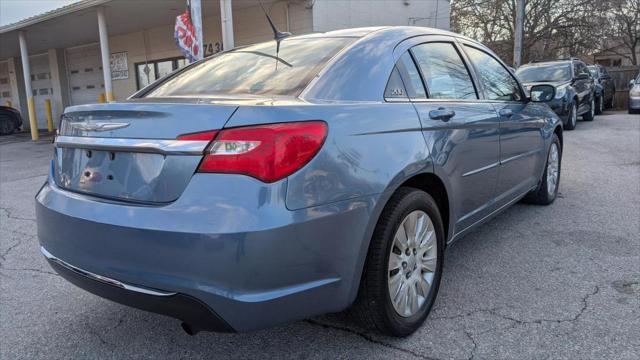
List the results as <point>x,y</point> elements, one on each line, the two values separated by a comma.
<point>16,10</point>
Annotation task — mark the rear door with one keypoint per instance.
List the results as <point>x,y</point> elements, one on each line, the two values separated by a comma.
<point>461,131</point>
<point>520,129</point>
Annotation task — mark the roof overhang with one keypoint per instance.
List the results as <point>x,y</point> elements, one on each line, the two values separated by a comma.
<point>77,23</point>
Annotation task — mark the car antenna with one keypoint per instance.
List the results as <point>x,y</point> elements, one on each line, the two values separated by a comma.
<point>277,34</point>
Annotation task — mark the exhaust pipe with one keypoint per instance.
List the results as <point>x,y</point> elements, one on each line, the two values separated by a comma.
<point>189,329</point>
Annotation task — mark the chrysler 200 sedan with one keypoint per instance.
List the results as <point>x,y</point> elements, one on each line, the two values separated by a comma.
<point>259,186</point>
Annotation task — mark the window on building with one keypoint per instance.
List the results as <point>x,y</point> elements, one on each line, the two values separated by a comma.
<point>148,72</point>
<point>616,63</point>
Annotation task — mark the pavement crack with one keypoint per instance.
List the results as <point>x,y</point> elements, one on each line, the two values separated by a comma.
<point>2,268</point>
<point>369,338</point>
<point>472,355</point>
<point>3,256</point>
<point>10,215</point>
<point>93,332</point>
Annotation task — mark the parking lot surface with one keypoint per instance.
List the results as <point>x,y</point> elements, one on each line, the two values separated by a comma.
<point>556,282</point>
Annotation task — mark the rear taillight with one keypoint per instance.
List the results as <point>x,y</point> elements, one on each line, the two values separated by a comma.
<point>267,152</point>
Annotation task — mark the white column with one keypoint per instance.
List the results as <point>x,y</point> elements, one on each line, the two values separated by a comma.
<point>226,16</point>
<point>26,71</point>
<point>196,19</point>
<point>104,51</point>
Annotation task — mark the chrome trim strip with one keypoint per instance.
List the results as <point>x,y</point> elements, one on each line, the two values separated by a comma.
<point>103,279</point>
<point>158,146</point>
<point>502,162</point>
<point>490,166</point>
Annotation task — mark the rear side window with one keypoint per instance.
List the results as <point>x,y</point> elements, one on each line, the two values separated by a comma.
<point>254,70</point>
<point>444,72</point>
<point>497,81</point>
<point>395,88</point>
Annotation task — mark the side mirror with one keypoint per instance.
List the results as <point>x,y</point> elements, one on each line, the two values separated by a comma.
<point>542,93</point>
<point>582,76</point>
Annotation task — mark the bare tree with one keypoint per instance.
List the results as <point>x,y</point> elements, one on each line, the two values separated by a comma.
<point>625,37</point>
<point>552,28</point>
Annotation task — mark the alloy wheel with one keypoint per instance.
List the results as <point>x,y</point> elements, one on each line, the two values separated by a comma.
<point>574,115</point>
<point>553,169</point>
<point>593,108</point>
<point>412,263</point>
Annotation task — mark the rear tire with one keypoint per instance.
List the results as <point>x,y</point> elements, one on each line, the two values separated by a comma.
<point>600,104</point>
<point>373,308</point>
<point>612,102</point>
<point>590,115</point>
<point>547,190</point>
<point>7,125</point>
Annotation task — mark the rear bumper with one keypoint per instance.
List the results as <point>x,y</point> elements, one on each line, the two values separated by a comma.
<point>634,103</point>
<point>228,242</point>
<point>186,308</point>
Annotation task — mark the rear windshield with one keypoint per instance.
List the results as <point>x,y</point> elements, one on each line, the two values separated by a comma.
<point>544,73</point>
<point>255,70</point>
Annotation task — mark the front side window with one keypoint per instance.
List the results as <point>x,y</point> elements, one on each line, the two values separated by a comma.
<point>444,72</point>
<point>254,70</point>
<point>497,82</point>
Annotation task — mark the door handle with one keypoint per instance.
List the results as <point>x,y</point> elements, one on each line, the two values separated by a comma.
<point>506,113</point>
<point>442,114</point>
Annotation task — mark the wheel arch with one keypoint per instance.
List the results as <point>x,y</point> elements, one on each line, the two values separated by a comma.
<point>434,186</point>
<point>425,181</point>
<point>558,131</point>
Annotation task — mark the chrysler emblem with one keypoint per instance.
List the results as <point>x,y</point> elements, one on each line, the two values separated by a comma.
<point>98,126</point>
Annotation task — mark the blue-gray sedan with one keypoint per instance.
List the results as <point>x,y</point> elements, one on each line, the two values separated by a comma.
<point>257,187</point>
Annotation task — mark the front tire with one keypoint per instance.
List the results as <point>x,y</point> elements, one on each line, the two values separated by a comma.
<point>403,268</point>
<point>547,189</point>
<point>572,119</point>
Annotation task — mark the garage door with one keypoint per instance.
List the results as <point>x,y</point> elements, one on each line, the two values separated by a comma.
<point>5,85</point>
<point>85,74</point>
<point>41,87</point>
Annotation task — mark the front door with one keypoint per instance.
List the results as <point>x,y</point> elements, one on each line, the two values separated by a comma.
<point>521,138</point>
<point>461,131</point>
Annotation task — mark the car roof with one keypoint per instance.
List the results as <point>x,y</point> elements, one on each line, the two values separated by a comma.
<point>547,63</point>
<point>401,32</point>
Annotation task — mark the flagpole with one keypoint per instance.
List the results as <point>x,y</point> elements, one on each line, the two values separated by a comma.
<point>196,18</point>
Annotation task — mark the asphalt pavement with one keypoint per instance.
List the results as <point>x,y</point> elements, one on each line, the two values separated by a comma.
<point>555,282</point>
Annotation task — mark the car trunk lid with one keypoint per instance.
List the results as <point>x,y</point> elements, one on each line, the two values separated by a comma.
<point>130,151</point>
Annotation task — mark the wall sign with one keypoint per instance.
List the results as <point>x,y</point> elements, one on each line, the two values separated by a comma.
<point>119,66</point>
<point>212,48</point>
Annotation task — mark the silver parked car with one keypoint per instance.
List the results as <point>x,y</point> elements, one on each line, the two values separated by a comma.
<point>260,186</point>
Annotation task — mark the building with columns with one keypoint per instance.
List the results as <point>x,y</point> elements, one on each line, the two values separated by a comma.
<point>97,50</point>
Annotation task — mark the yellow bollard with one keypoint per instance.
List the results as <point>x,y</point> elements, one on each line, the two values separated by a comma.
<point>47,107</point>
<point>101,98</point>
<point>110,96</point>
<point>33,121</point>
<point>8,103</point>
